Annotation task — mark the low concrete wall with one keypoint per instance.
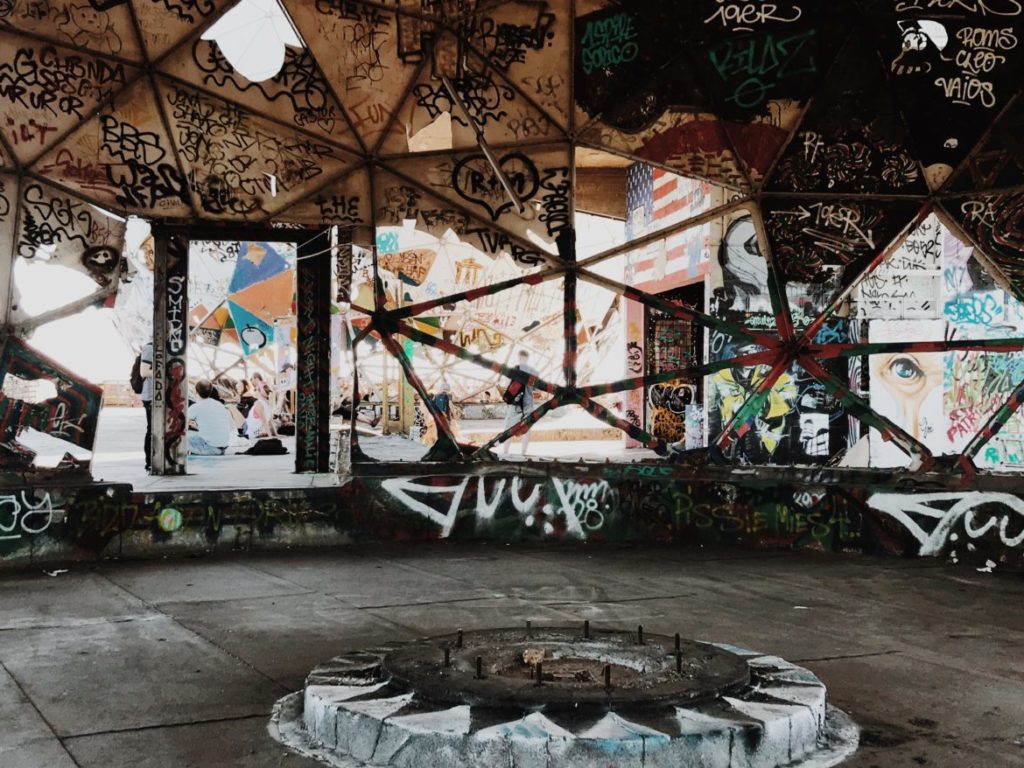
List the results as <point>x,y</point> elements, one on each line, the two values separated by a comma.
<point>819,510</point>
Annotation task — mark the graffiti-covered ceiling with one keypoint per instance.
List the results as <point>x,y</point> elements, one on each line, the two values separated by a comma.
<point>842,119</point>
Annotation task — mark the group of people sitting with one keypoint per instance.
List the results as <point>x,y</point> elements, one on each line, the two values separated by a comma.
<point>223,410</point>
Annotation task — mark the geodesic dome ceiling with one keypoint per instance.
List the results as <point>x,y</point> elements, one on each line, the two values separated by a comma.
<point>840,125</point>
<point>842,118</point>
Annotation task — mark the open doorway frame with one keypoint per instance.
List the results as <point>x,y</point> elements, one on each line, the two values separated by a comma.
<point>315,248</point>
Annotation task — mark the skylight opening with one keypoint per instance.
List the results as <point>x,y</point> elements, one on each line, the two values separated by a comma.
<point>253,37</point>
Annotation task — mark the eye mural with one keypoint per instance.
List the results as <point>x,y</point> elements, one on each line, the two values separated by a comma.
<point>797,180</point>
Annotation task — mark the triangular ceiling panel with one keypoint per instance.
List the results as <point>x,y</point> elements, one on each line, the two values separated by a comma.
<point>808,236</point>
<point>995,224</point>
<point>954,67</point>
<point>165,23</point>
<point>368,60</point>
<point>345,202</point>
<point>431,119</point>
<point>630,65</point>
<point>122,158</point>
<point>57,228</point>
<point>686,143</point>
<point>100,26</point>
<point>998,162</point>
<point>526,41</point>
<point>45,91</point>
<point>752,57</point>
<point>540,177</point>
<point>61,228</point>
<point>398,202</point>
<point>761,69</point>
<point>298,94</point>
<point>241,166</point>
<point>757,143</point>
<point>852,139</point>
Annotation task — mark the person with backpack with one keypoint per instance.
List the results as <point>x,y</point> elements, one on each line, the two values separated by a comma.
<point>519,397</point>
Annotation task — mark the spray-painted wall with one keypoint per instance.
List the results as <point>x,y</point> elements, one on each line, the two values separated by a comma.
<point>817,509</point>
<point>933,289</point>
<point>930,289</point>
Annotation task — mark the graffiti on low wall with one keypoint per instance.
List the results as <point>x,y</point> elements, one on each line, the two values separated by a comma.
<point>573,508</point>
<point>630,503</point>
<point>23,515</point>
<point>88,521</point>
<point>625,503</point>
<point>945,522</point>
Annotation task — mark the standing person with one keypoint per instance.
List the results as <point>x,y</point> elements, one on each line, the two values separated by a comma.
<point>445,404</point>
<point>146,371</point>
<point>522,403</point>
<point>211,421</point>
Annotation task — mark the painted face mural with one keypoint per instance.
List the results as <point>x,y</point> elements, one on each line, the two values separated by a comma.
<point>744,271</point>
<point>907,389</point>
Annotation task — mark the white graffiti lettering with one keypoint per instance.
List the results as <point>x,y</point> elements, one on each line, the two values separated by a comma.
<point>931,517</point>
<point>746,15</point>
<point>582,507</point>
<point>980,7</point>
<point>176,314</point>
<point>22,515</point>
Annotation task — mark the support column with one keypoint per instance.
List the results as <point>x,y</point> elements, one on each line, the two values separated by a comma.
<point>170,340</point>
<point>567,251</point>
<point>313,391</point>
<point>342,240</point>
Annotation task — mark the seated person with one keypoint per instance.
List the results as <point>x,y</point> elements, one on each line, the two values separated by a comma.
<point>226,391</point>
<point>260,421</point>
<point>211,423</point>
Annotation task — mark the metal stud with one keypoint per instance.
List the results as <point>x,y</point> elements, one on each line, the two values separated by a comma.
<point>586,630</point>
<point>607,675</point>
<point>458,639</point>
<point>540,673</point>
<point>640,634</point>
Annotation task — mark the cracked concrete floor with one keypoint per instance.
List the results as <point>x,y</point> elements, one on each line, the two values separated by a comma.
<point>177,662</point>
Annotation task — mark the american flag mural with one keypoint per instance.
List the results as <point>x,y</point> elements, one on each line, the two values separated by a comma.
<point>655,200</point>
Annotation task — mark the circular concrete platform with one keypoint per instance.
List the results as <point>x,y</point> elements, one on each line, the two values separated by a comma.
<point>563,697</point>
<point>641,669</point>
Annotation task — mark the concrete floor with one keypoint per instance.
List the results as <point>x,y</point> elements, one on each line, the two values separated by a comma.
<point>177,663</point>
<point>119,457</point>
